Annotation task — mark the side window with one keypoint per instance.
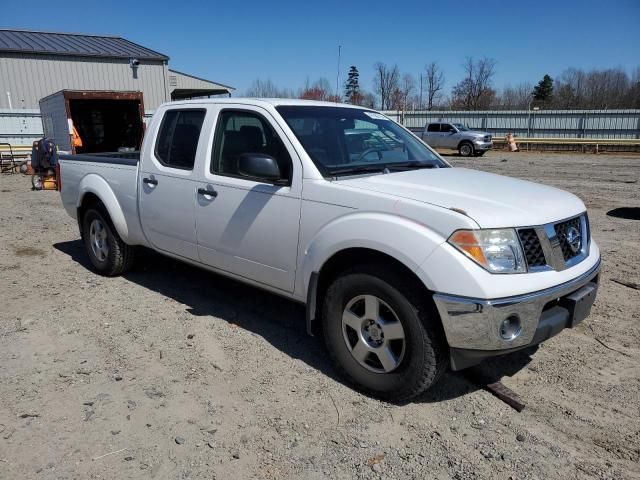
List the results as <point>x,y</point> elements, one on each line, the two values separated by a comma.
<point>446,128</point>
<point>178,138</point>
<point>240,132</point>
<point>433,127</point>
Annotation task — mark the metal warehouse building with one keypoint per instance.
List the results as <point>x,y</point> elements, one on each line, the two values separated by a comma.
<point>34,65</point>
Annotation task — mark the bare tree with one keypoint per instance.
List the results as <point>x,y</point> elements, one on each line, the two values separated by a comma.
<point>266,89</point>
<point>385,83</point>
<point>435,83</point>
<point>407,87</point>
<point>368,99</point>
<point>516,98</point>
<point>475,91</point>
<point>319,90</point>
<point>602,89</point>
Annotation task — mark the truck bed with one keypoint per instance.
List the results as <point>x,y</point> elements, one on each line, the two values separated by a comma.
<point>111,176</point>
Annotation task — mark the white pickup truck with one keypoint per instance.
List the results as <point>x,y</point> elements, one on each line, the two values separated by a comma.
<point>406,265</point>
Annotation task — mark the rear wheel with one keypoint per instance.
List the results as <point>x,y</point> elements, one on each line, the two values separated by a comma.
<point>466,149</point>
<point>381,336</point>
<point>109,255</point>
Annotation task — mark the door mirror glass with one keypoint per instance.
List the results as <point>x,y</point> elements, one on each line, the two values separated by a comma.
<point>259,166</point>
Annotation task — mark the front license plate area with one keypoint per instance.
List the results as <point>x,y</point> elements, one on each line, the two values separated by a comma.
<point>579,303</point>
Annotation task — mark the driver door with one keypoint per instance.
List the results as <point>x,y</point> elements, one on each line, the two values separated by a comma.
<point>449,137</point>
<point>248,226</point>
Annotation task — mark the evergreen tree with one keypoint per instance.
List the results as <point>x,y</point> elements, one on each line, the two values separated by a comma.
<point>352,86</point>
<point>544,90</point>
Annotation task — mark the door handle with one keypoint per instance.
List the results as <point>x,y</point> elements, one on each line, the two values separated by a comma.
<point>204,191</point>
<point>150,181</point>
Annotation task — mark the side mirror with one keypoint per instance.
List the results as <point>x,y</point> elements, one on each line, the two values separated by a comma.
<point>259,165</point>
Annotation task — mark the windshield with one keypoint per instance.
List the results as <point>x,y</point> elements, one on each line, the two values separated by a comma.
<point>343,140</point>
<point>461,127</point>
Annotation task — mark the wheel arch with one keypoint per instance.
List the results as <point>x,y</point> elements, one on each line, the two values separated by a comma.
<point>463,141</point>
<point>348,259</point>
<point>94,190</point>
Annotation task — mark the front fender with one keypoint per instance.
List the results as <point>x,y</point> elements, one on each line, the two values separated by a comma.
<point>93,183</point>
<point>407,241</point>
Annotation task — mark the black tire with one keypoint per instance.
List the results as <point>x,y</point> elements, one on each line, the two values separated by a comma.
<point>466,149</point>
<point>118,257</point>
<point>425,353</point>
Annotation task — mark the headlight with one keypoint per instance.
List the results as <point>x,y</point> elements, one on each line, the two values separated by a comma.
<point>498,251</point>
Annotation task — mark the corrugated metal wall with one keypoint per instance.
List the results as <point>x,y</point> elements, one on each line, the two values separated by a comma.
<point>536,124</point>
<point>28,78</point>
<point>188,82</point>
<point>20,127</point>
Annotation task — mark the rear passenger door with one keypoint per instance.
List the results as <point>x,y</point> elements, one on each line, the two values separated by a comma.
<point>167,189</point>
<point>249,226</point>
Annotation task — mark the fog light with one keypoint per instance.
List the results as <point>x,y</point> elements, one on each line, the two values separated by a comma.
<point>510,327</point>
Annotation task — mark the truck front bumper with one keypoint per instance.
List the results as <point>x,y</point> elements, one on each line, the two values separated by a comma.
<point>483,146</point>
<point>477,328</point>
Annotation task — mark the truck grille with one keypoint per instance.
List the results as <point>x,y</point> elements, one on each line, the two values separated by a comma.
<point>532,247</point>
<point>565,243</point>
<point>563,231</point>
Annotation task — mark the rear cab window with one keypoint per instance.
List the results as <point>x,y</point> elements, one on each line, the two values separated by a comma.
<point>433,127</point>
<point>178,137</point>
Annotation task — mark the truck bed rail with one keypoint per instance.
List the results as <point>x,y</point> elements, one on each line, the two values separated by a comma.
<point>118,158</point>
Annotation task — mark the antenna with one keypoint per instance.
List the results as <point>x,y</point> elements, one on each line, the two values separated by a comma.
<point>338,74</point>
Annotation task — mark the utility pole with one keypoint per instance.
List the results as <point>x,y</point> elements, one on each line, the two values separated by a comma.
<point>338,74</point>
<point>420,102</point>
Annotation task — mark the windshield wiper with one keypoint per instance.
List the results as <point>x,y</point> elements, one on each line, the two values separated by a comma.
<point>383,167</point>
<point>358,169</point>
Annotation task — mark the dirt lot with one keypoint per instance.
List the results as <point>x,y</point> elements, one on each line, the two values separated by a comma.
<point>171,372</point>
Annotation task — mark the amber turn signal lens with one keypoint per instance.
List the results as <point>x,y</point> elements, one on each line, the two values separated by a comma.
<point>467,242</point>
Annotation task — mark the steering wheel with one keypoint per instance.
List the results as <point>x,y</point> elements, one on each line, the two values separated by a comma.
<point>368,151</point>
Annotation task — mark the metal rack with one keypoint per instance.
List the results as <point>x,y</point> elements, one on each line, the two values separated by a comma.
<point>8,165</point>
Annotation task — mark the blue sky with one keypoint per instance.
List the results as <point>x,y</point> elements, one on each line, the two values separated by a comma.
<point>236,42</point>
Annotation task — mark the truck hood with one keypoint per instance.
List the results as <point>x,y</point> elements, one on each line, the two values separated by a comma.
<point>493,201</point>
<point>475,133</point>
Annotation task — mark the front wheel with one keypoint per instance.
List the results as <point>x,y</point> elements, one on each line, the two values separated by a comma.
<point>381,335</point>
<point>108,253</point>
<point>466,149</point>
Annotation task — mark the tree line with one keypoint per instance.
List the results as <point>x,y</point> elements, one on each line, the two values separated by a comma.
<point>573,88</point>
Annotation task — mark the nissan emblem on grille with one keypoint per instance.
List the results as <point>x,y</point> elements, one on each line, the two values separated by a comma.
<point>572,238</point>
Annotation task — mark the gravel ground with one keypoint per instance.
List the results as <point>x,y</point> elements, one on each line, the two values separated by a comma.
<point>172,372</point>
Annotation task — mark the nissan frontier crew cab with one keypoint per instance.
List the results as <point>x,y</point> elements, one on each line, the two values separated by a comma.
<point>406,265</point>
